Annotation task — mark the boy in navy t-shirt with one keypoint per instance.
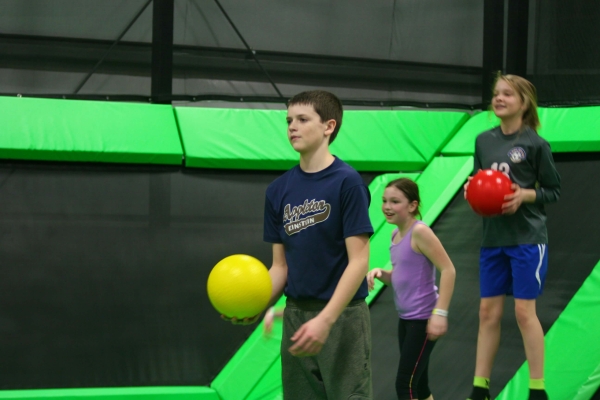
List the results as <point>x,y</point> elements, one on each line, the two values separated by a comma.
<point>316,217</point>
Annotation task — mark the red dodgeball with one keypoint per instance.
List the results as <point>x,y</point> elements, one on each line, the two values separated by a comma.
<point>486,192</point>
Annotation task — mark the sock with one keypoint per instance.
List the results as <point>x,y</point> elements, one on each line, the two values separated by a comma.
<point>481,389</point>
<point>482,382</point>
<point>537,390</point>
<point>537,384</point>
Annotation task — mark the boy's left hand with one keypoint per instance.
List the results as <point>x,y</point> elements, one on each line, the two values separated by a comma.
<point>436,327</point>
<point>310,338</point>
<point>512,202</point>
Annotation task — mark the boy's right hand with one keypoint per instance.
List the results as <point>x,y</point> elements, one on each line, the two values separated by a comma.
<point>374,273</point>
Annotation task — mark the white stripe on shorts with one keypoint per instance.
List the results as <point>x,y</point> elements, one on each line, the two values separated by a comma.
<point>542,251</point>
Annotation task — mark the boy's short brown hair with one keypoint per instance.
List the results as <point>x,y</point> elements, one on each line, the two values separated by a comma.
<point>326,104</point>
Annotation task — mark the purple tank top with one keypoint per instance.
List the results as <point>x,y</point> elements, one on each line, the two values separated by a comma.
<point>413,279</point>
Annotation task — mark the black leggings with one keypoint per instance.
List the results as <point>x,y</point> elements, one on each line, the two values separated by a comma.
<point>412,381</point>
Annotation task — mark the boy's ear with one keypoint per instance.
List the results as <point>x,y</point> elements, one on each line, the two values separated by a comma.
<point>330,126</point>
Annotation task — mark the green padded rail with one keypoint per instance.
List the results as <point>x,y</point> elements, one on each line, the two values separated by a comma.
<point>395,140</point>
<point>463,143</point>
<point>572,350</point>
<point>581,123</point>
<point>368,140</point>
<point>440,182</point>
<point>250,363</point>
<point>238,139</point>
<point>88,131</point>
<point>590,386</point>
<point>138,393</point>
<point>269,387</point>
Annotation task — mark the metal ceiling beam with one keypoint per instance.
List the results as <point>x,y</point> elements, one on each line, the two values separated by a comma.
<point>129,58</point>
<point>493,46</point>
<point>516,37</point>
<point>162,51</point>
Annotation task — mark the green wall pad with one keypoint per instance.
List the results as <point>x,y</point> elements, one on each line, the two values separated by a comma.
<point>395,140</point>
<point>368,140</point>
<point>438,184</point>
<point>440,181</point>
<point>269,387</point>
<point>566,129</point>
<point>251,363</point>
<point>572,370</point>
<point>141,393</point>
<point>90,131</point>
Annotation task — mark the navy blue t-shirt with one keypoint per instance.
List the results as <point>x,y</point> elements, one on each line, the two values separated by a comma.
<point>312,214</point>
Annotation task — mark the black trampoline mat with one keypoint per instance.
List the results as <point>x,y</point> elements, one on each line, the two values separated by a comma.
<point>104,273</point>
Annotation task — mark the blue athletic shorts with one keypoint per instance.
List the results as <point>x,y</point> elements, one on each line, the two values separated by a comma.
<point>513,270</point>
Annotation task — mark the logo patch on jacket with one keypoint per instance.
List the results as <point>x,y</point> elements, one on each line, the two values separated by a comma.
<point>517,154</point>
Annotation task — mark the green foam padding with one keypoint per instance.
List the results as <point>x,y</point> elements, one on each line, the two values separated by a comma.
<point>88,131</point>
<point>571,129</point>
<point>250,363</point>
<point>368,140</point>
<point>572,370</point>
<point>463,143</point>
<point>590,386</point>
<point>395,140</point>
<point>235,139</point>
<point>566,129</point>
<point>137,393</point>
<point>440,182</point>
<point>269,387</point>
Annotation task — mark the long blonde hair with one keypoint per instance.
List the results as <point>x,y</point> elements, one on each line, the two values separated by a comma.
<point>528,95</point>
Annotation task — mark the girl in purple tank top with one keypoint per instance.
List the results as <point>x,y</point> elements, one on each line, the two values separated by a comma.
<point>415,253</point>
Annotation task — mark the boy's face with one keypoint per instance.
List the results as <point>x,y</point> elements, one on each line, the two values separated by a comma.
<point>306,131</point>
